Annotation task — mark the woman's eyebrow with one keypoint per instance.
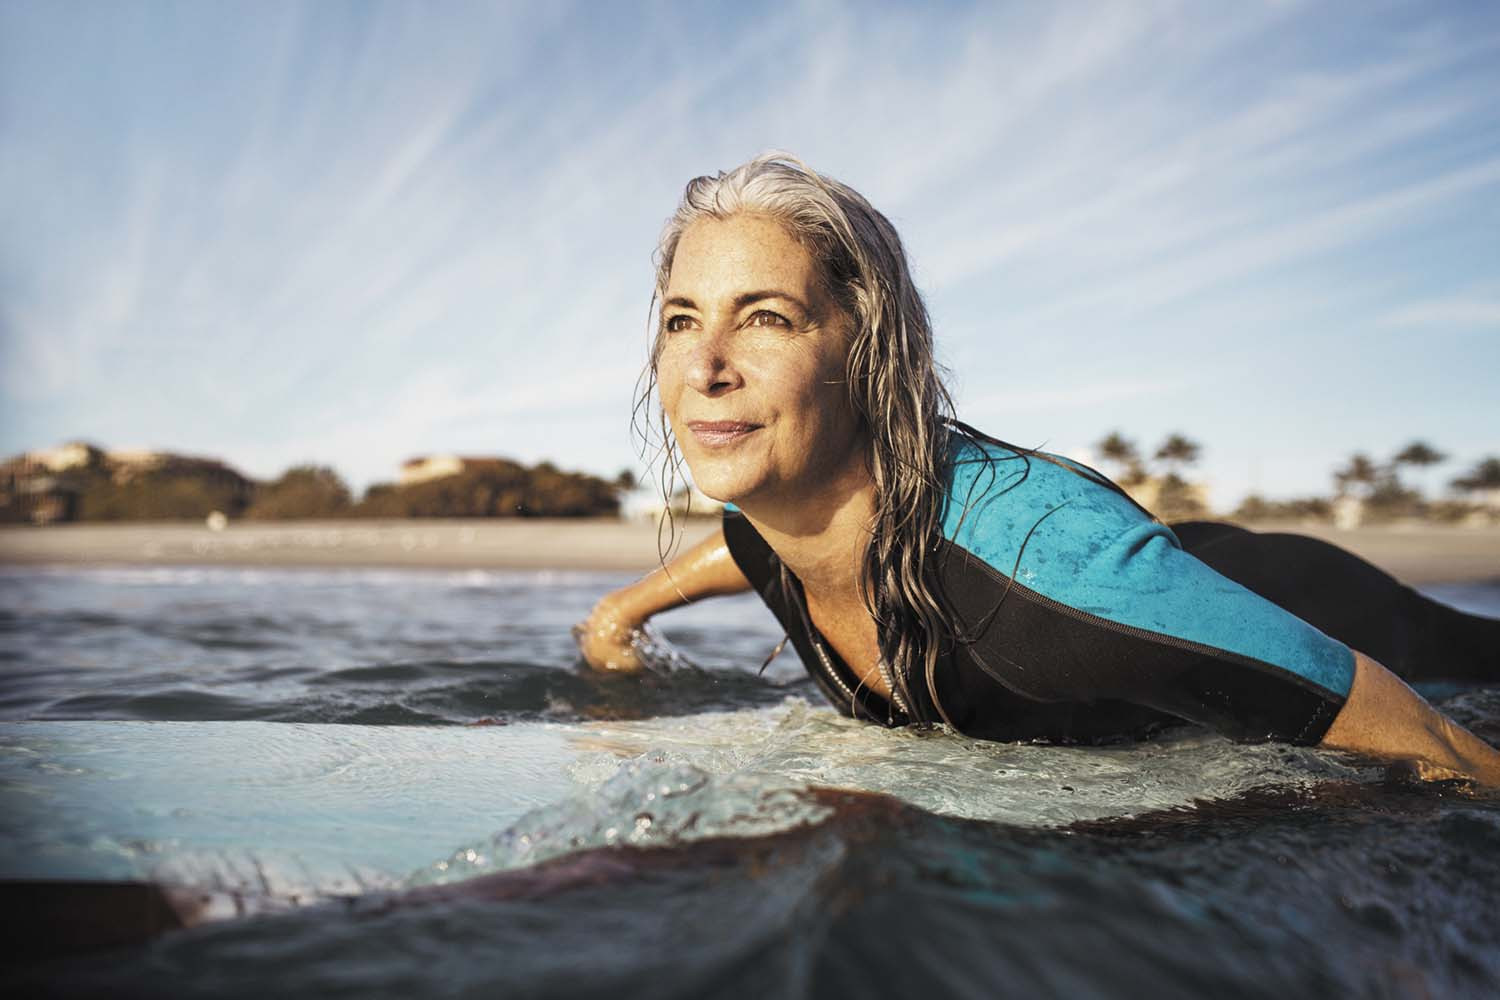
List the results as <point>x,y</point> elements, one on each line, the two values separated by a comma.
<point>748,298</point>
<point>742,300</point>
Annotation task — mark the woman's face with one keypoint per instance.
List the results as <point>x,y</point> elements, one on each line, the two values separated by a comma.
<point>751,366</point>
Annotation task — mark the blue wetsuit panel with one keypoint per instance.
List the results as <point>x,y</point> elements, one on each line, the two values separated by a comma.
<point>1062,534</point>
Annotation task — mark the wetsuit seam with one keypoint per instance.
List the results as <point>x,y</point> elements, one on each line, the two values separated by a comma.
<point>1171,641</point>
<point>1317,717</point>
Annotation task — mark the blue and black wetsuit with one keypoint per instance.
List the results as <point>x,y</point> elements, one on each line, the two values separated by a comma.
<point>1083,619</point>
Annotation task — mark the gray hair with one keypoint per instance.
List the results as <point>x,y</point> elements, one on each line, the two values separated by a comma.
<point>894,381</point>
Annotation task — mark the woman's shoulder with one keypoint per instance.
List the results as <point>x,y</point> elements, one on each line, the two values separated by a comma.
<point>1002,500</point>
<point>1002,485</point>
<point>1059,529</point>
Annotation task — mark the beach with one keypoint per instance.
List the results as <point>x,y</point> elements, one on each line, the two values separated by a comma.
<point>1414,553</point>
<point>519,543</point>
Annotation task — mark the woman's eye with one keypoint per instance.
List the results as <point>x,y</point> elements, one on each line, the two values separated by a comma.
<point>765,317</point>
<point>677,323</point>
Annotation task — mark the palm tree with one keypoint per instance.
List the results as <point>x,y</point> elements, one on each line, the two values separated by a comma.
<point>1360,472</point>
<point>1484,476</point>
<point>1419,453</point>
<point>1177,451</point>
<point>1117,449</point>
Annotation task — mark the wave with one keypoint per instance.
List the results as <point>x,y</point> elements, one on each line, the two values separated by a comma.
<point>1343,890</point>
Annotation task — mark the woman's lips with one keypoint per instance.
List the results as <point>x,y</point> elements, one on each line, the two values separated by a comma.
<point>717,433</point>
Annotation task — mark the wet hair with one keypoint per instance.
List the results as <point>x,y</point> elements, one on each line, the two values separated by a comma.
<point>894,383</point>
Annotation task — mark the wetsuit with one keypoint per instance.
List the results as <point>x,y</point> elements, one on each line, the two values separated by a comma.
<point>1082,619</point>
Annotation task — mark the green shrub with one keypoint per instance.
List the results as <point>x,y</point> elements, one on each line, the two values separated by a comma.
<point>303,491</point>
<point>496,488</point>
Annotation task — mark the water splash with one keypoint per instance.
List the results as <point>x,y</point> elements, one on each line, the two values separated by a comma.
<point>663,782</point>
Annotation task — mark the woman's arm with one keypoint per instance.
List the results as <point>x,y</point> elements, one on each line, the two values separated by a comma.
<point>705,570</point>
<point>1384,718</point>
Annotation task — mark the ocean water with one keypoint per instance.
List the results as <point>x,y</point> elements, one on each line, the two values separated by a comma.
<point>394,783</point>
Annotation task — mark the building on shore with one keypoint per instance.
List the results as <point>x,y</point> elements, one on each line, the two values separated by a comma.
<point>427,467</point>
<point>43,486</point>
<point>83,481</point>
<point>1486,499</point>
<point>37,497</point>
<point>73,455</point>
<point>646,504</point>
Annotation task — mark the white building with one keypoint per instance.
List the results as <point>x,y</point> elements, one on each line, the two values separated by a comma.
<point>72,455</point>
<point>426,467</point>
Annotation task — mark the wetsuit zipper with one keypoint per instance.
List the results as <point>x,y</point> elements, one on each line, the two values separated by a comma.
<point>890,682</point>
<point>832,674</point>
<point>829,671</point>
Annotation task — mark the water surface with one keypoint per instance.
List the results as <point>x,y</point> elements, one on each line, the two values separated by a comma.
<point>410,783</point>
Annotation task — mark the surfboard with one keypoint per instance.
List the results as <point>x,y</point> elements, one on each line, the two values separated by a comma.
<point>287,808</point>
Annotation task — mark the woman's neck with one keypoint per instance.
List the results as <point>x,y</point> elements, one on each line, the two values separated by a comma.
<point>822,537</point>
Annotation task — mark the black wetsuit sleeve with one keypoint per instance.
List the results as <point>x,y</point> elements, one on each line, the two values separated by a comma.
<point>1050,652</point>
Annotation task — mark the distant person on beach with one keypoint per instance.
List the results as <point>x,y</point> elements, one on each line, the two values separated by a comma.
<point>926,572</point>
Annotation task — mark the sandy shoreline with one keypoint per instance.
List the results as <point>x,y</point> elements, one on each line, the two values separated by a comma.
<point>539,543</point>
<point>1414,553</point>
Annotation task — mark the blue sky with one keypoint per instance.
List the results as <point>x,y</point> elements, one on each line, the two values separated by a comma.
<point>352,233</point>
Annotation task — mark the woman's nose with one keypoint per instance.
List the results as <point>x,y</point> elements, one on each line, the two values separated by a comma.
<point>711,369</point>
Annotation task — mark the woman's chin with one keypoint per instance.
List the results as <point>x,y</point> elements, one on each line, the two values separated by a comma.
<point>716,479</point>
<point>720,492</point>
<point>722,486</point>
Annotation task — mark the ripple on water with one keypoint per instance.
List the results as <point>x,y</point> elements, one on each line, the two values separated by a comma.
<point>607,815</point>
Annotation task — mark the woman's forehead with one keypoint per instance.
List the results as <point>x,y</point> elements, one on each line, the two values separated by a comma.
<point>722,257</point>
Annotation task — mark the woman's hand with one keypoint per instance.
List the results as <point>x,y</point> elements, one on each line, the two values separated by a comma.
<point>608,639</point>
<point>614,637</point>
<point>1384,718</point>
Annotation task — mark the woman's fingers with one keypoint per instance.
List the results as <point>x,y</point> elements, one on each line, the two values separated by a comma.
<point>607,643</point>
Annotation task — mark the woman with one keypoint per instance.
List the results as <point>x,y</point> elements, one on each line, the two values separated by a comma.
<point>928,573</point>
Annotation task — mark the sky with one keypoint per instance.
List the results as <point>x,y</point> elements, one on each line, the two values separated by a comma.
<point>353,233</point>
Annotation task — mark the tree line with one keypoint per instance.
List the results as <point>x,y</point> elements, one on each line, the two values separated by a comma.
<point>171,487</point>
<point>1384,489</point>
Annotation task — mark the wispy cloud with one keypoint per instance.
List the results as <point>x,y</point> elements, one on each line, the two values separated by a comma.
<point>1064,396</point>
<point>350,233</point>
<point>1463,313</point>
